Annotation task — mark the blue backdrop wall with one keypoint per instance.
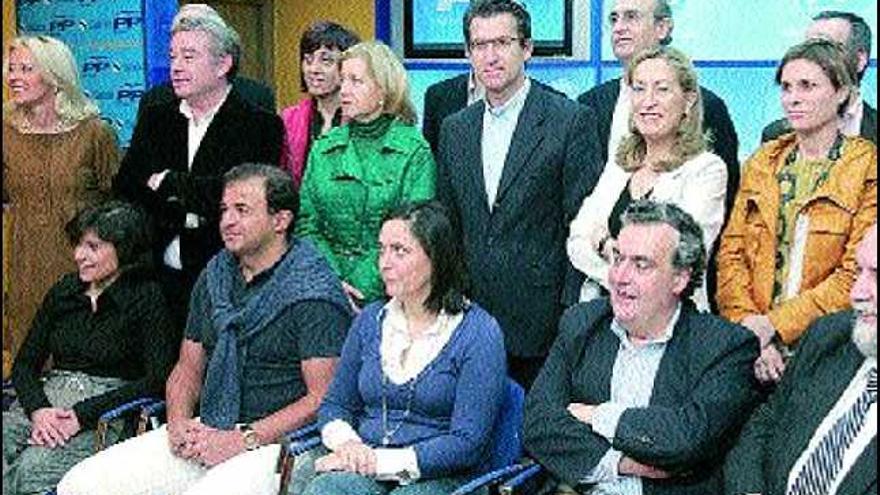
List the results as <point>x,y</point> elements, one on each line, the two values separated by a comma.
<point>735,46</point>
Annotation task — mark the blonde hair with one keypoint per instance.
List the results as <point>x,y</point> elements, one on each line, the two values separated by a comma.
<point>690,140</point>
<point>385,68</point>
<point>56,65</point>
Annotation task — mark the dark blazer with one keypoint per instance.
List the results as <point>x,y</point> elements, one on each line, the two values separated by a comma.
<point>516,252</point>
<point>603,98</point>
<point>239,133</point>
<point>446,97</point>
<point>868,129</point>
<point>780,430</point>
<point>703,392</point>
<point>442,99</point>
<point>252,91</point>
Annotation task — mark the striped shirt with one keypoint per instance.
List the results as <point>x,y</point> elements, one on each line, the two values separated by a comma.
<point>632,381</point>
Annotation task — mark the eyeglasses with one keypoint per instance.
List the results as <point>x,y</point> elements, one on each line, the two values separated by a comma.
<point>502,44</point>
<point>627,17</point>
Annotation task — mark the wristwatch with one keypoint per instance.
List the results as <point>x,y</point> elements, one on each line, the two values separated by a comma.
<point>250,437</point>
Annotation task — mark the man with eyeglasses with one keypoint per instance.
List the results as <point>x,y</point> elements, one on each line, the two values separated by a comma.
<point>449,96</point>
<point>637,25</point>
<point>513,171</point>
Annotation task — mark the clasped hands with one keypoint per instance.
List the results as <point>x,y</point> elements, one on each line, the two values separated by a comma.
<point>627,465</point>
<point>353,456</point>
<point>193,440</point>
<point>53,426</point>
<point>770,365</point>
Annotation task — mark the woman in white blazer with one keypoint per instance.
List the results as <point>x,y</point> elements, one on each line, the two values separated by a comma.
<point>664,158</point>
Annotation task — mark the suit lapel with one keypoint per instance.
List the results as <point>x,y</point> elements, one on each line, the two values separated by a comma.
<point>215,138</point>
<point>869,122</point>
<point>472,151</point>
<point>863,476</point>
<point>830,375</point>
<point>178,139</point>
<point>526,137</point>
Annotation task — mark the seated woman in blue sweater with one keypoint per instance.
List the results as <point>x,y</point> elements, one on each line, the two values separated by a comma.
<point>421,377</point>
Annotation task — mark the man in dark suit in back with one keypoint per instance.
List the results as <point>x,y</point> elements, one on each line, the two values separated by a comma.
<point>181,148</point>
<point>854,33</point>
<point>642,393</point>
<point>445,98</point>
<point>513,171</point>
<point>818,432</point>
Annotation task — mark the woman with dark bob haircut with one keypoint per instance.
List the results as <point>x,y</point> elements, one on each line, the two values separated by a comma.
<point>421,377</point>
<point>107,330</point>
<point>319,49</point>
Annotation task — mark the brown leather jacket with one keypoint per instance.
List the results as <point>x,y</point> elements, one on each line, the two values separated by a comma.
<point>838,215</point>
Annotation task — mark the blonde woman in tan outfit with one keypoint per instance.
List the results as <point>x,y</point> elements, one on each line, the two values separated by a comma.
<point>58,156</point>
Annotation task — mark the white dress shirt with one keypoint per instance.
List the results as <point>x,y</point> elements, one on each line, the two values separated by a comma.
<point>632,385</point>
<point>196,131</point>
<point>499,124</point>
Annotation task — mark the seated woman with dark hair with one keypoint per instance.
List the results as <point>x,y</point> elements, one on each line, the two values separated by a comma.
<point>421,377</point>
<point>110,338</point>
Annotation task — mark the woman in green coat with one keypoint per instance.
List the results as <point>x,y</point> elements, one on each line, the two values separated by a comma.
<point>360,171</point>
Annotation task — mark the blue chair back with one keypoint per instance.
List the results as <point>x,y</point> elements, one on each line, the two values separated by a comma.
<point>506,446</point>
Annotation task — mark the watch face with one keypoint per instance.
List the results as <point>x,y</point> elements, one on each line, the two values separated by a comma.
<point>251,441</point>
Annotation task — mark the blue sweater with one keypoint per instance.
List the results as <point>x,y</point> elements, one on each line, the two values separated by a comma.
<point>453,402</point>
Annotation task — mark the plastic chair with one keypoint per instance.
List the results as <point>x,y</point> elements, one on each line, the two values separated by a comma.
<point>506,444</point>
<point>146,408</point>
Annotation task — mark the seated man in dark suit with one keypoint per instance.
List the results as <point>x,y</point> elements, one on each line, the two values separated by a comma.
<point>818,432</point>
<point>181,148</point>
<point>853,32</point>
<point>642,393</point>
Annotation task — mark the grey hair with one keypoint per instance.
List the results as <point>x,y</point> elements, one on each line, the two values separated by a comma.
<point>225,40</point>
<point>860,33</point>
<point>690,253</point>
<point>662,10</point>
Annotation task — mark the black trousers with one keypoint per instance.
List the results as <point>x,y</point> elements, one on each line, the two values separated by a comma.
<point>177,287</point>
<point>524,370</point>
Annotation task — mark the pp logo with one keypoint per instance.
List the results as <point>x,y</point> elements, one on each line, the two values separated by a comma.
<point>100,64</point>
<point>127,19</point>
<point>63,24</point>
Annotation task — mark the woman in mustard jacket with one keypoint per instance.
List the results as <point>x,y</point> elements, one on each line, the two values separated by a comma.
<point>364,169</point>
<point>787,256</point>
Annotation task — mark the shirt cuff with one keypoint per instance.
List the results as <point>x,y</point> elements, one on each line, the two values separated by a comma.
<point>605,419</point>
<point>157,183</point>
<point>400,465</point>
<point>336,433</point>
<point>606,470</point>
